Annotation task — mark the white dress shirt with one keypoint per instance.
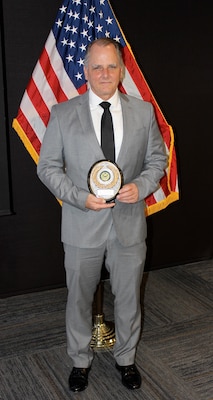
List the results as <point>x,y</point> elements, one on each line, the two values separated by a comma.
<point>116,111</point>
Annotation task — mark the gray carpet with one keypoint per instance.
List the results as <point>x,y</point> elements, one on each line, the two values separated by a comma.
<point>175,353</point>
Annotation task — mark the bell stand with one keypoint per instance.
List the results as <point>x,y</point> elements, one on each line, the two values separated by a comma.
<point>103,333</point>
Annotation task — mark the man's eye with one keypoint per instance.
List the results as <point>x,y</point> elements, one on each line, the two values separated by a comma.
<point>97,67</point>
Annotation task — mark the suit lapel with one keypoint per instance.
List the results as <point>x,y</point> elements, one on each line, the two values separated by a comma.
<point>87,126</point>
<point>127,127</point>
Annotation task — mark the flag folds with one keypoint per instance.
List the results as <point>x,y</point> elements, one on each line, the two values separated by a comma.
<point>58,76</point>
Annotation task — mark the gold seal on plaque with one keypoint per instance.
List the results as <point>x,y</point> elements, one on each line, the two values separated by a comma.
<point>105,179</point>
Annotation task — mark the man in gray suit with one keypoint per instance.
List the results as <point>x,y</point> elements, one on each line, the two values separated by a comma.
<point>94,229</point>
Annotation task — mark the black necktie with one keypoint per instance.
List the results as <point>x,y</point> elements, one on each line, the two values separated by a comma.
<point>107,133</point>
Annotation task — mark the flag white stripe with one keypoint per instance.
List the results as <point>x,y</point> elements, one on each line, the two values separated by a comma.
<point>159,194</point>
<point>43,86</point>
<point>32,116</point>
<point>130,86</point>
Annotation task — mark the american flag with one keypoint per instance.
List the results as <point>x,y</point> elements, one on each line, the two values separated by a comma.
<point>58,76</point>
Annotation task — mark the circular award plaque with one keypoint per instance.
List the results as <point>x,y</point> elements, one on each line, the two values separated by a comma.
<point>105,179</point>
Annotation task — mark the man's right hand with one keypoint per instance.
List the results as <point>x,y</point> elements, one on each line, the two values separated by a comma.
<point>97,204</point>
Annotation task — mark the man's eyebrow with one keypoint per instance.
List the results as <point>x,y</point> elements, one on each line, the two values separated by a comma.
<point>100,65</point>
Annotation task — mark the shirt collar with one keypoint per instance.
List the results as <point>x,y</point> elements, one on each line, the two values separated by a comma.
<point>94,100</point>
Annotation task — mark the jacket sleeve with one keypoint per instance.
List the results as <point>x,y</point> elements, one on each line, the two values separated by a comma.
<point>51,167</point>
<point>155,160</point>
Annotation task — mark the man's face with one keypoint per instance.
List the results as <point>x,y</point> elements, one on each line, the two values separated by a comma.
<point>103,71</point>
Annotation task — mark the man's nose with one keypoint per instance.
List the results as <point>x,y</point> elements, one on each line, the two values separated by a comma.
<point>105,71</point>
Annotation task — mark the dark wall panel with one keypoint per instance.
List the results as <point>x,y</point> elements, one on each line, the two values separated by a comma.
<point>173,47</point>
<point>31,255</point>
<point>172,43</point>
<point>5,193</point>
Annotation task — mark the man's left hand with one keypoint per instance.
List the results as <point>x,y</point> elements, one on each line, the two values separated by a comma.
<point>128,193</point>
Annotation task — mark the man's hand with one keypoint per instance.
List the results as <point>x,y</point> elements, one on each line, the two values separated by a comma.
<point>96,204</point>
<point>128,193</point>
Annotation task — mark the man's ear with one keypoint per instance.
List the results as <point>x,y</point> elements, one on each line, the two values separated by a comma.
<point>122,74</point>
<point>85,73</point>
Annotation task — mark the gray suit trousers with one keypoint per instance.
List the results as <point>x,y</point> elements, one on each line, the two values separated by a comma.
<point>83,270</point>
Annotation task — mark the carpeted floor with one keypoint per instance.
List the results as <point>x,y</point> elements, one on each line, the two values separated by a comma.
<point>175,353</point>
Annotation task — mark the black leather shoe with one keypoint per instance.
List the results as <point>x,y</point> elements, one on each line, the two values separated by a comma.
<point>130,376</point>
<point>78,379</point>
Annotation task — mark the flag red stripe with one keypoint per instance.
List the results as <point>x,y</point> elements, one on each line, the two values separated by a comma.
<point>38,101</point>
<point>52,77</point>
<point>82,89</point>
<point>150,200</point>
<point>30,133</point>
<point>173,172</point>
<point>121,88</point>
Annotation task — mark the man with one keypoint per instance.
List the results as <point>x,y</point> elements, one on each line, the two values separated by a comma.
<point>92,228</point>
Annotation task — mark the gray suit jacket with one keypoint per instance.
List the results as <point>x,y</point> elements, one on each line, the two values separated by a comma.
<point>70,148</point>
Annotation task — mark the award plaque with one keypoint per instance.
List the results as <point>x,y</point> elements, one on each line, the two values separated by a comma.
<point>105,179</point>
